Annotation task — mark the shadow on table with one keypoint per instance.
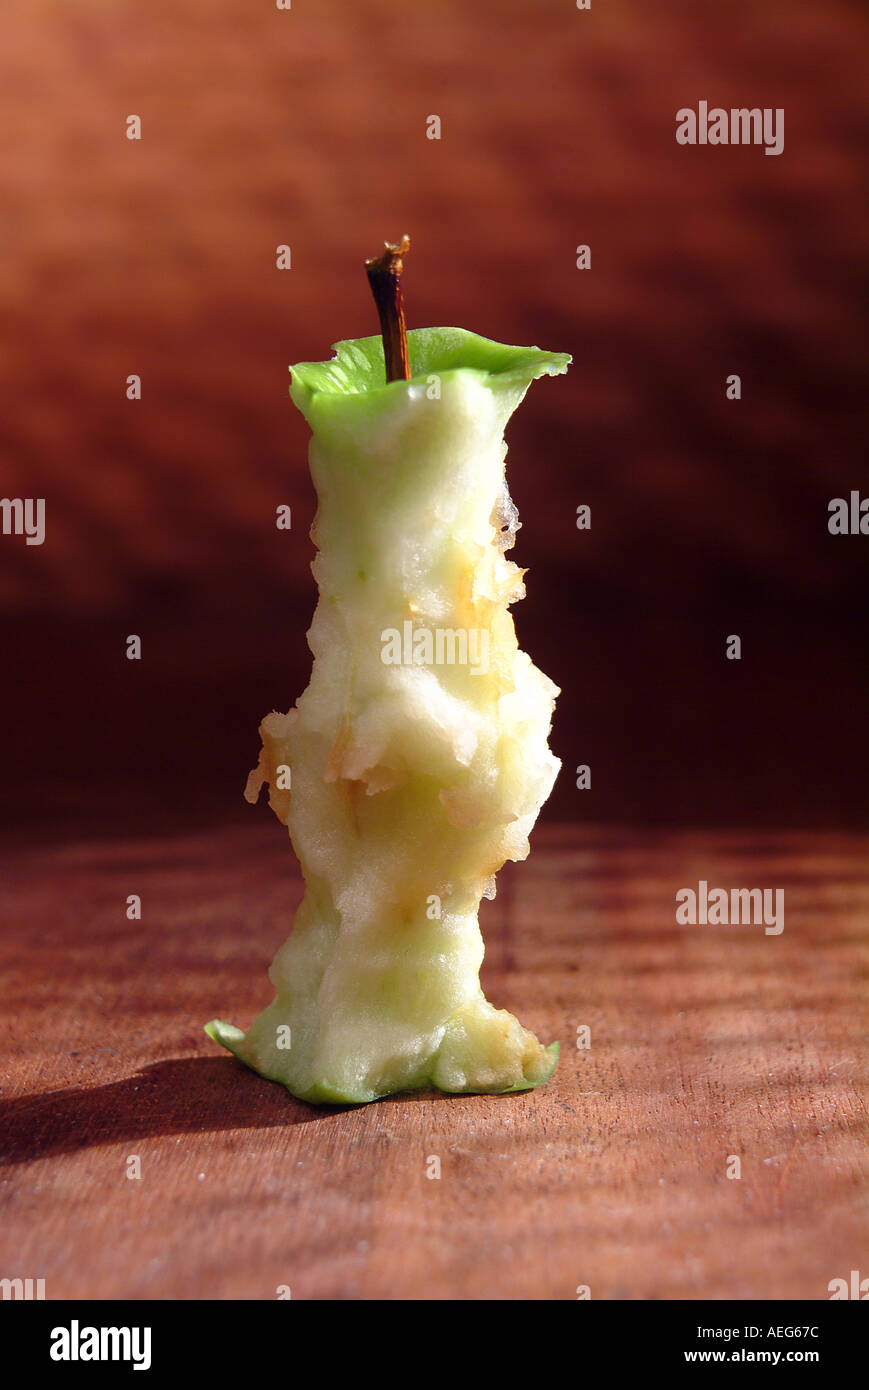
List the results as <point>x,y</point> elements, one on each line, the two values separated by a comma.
<point>188,1095</point>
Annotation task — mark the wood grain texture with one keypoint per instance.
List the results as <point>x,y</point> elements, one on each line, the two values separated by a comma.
<point>706,1042</point>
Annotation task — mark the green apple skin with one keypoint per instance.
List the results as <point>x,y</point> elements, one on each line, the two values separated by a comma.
<point>411,784</point>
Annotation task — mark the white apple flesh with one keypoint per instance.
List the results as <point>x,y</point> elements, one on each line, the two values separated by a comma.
<point>412,780</point>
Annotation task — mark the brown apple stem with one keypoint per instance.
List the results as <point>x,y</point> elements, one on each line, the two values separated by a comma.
<point>384,277</point>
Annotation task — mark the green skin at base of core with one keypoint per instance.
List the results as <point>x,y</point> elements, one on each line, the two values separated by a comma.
<point>411,782</point>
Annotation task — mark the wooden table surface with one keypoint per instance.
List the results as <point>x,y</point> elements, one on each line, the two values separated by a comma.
<point>705,1043</point>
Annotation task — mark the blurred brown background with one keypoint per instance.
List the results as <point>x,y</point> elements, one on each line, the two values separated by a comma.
<point>307,127</point>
